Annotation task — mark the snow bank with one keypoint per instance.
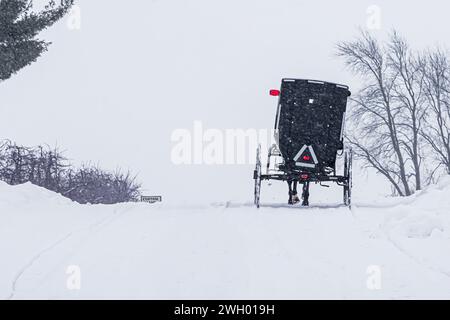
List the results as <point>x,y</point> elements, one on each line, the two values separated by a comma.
<point>423,214</point>
<point>29,195</point>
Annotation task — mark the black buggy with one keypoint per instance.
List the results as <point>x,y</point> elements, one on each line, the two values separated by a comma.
<point>309,128</point>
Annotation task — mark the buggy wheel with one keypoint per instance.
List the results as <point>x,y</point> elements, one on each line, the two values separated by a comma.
<point>348,158</point>
<point>257,176</point>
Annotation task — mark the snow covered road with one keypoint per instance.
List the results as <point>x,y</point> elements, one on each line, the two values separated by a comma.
<point>394,249</point>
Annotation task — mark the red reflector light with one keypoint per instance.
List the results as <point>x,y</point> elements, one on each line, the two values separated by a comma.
<point>306,158</point>
<point>274,92</point>
<point>304,176</point>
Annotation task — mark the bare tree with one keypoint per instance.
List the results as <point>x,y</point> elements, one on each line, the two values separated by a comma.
<point>408,93</point>
<point>436,130</point>
<point>401,116</point>
<point>377,134</point>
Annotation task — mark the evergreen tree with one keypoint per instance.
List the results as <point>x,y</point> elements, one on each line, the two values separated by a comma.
<point>19,27</point>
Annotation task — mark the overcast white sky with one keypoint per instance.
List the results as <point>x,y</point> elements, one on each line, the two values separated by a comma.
<point>114,91</point>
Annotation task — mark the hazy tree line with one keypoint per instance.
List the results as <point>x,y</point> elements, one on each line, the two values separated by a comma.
<point>49,168</point>
<point>400,119</point>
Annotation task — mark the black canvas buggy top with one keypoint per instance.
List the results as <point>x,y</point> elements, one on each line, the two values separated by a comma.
<point>309,129</point>
<point>310,122</point>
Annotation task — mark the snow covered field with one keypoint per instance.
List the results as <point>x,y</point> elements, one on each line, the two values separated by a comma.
<point>394,248</point>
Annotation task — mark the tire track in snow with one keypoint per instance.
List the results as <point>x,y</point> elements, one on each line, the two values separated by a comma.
<point>94,228</point>
<point>414,258</point>
<point>402,250</point>
<point>31,262</point>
